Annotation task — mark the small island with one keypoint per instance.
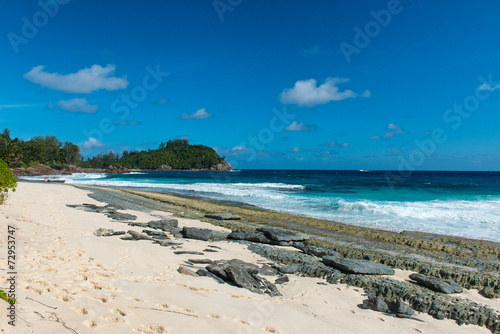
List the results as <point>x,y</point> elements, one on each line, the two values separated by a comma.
<point>48,155</point>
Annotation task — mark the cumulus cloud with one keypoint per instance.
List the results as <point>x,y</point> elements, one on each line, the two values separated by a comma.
<point>92,143</point>
<point>306,92</point>
<point>295,126</point>
<point>84,81</point>
<point>394,131</point>
<point>77,105</point>
<point>199,114</point>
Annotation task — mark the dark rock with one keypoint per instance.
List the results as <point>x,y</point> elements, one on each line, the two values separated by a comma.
<point>116,170</point>
<point>138,224</point>
<point>222,216</point>
<point>267,270</point>
<point>244,275</point>
<point>489,292</point>
<point>156,234</point>
<point>202,261</point>
<point>249,236</point>
<point>121,216</point>
<point>437,284</point>
<point>19,172</point>
<point>355,266</point>
<point>164,224</point>
<point>138,236</point>
<point>196,233</point>
<point>316,251</point>
<point>212,246</point>
<point>103,232</point>
<point>188,252</point>
<point>375,304</point>
<point>290,269</point>
<point>210,250</point>
<point>167,243</point>
<point>400,307</point>
<point>282,280</point>
<point>186,271</point>
<point>202,272</point>
<point>281,235</point>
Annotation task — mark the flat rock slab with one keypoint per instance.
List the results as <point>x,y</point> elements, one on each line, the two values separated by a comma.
<point>355,266</point>
<point>249,236</point>
<point>280,235</point>
<point>138,236</point>
<point>222,216</point>
<point>186,271</point>
<point>164,224</point>
<point>437,284</point>
<point>196,233</point>
<point>121,216</point>
<point>188,252</point>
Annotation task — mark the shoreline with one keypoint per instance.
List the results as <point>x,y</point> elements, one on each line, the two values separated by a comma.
<point>136,277</point>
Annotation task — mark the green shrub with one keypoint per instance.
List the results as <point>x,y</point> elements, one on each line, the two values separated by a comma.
<point>7,181</point>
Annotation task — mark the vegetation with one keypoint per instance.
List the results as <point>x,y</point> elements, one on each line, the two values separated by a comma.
<point>7,181</point>
<point>176,154</point>
<point>50,151</point>
<point>4,296</point>
<point>46,150</point>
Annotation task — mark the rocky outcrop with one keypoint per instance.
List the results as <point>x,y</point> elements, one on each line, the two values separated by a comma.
<point>196,233</point>
<point>116,170</point>
<point>282,236</point>
<point>437,284</point>
<point>355,266</point>
<point>224,166</point>
<point>165,167</point>
<point>243,275</point>
<point>249,236</point>
<point>38,170</point>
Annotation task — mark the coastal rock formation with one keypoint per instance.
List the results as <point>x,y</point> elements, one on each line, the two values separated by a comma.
<point>196,233</point>
<point>18,172</point>
<point>316,251</point>
<point>282,236</point>
<point>186,271</point>
<point>244,275</point>
<point>164,167</point>
<point>376,304</point>
<point>167,225</point>
<point>222,216</point>
<point>224,166</point>
<point>437,284</point>
<point>138,236</point>
<point>249,236</point>
<point>355,266</point>
<point>116,170</point>
<point>103,232</point>
<point>38,170</point>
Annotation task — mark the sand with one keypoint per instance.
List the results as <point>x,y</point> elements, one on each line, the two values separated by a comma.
<point>71,281</point>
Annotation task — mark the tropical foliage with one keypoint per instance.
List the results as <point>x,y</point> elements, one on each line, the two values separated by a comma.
<point>7,181</point>
<point>177,154</point>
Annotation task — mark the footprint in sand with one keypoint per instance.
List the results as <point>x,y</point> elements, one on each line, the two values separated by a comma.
<point>214,315</point>
<point>102,299</point>
<point>118,311</point>
<point>137,299</point>
<point>150,329</point>
<point>241,321</point>
<point>271,330</point>
<point>80,310</point>
<point>65,298</point>
<point>90,323</point>
<point>112,319</point>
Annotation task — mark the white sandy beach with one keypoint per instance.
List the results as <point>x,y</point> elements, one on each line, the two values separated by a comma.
<point>107,285</point>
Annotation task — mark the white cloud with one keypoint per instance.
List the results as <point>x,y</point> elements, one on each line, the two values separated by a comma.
<point>485,86</point>
<point>240,148</point>
<point>375,137</point>
<point>394,131</point>
<point>307,93</point>
<point>92,143</point>
<point>300,127</point>
<point>84,81</point>
<point>16,106</point>
<point>77,105</point>
<point>366,93</point>
<point>199,114</point>
<point>335,144</point>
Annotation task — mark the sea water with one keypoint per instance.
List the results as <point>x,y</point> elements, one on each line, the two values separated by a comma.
<point>463,204</point>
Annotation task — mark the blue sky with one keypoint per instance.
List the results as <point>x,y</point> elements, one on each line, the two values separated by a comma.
<point>270,84</point>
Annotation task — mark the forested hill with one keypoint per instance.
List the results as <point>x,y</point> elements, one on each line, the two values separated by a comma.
<point>49,151</point>
<point>174,154</point>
